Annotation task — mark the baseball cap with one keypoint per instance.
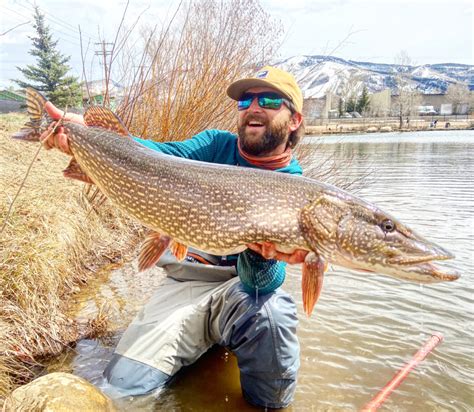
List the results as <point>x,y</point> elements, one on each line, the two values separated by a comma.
<point>269,76</point>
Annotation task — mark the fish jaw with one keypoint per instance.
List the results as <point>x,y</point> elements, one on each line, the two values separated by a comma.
<point>355,234</point>
<point>423,272</point>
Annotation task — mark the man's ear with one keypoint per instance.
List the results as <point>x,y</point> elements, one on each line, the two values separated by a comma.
<point>295,121</point>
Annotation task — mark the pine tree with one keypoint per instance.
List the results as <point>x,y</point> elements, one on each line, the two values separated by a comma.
<point>351,105</point>
<point>363,101</point>
<point>340,107</point>
<point>49,75</point>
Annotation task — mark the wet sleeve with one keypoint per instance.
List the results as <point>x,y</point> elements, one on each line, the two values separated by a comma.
<point>200,147</point>
<point>259,274</point>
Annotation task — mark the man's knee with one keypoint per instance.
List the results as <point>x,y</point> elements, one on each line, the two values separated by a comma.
<point>262,334</point>
<point>131,377</point>
<point>268,392</point>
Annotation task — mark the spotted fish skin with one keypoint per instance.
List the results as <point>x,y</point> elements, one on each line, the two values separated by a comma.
<point>220,209</point>
<point>216,208</point>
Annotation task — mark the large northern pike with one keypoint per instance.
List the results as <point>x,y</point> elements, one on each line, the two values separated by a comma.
<point>220,209</point>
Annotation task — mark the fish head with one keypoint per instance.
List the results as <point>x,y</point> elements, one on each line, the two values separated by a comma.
<point>358,235</point>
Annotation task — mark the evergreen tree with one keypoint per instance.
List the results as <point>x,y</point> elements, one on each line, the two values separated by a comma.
<point>49,75</point>
<point>363,101</point>
<point>340,107</point>
<point>351,105</point>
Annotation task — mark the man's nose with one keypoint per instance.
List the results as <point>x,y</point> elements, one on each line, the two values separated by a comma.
<point>254,106</point>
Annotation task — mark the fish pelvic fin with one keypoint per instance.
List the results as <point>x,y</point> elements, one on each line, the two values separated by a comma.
<point>179,250</point>
<point>154,246</point>
<point>74,171</point>
<point>32,130</point>
<point>312,282</point>
<point>98,116</point>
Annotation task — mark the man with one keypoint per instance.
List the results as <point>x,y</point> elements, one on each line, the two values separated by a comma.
<point>202,302</point>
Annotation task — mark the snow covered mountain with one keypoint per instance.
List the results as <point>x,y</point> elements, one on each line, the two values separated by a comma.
<point>318,75</point>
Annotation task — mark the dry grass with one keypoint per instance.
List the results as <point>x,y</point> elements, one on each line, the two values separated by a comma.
<point>50,246</point>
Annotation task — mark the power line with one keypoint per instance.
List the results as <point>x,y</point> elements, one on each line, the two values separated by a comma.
<point>60,22</point>
<point>55,29</point>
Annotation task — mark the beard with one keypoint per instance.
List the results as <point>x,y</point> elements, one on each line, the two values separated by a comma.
<point>274,135</point>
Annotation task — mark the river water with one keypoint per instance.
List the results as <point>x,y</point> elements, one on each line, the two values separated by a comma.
<point>364,327</point>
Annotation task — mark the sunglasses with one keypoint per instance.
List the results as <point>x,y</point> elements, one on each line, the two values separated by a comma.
<point>266,100</point>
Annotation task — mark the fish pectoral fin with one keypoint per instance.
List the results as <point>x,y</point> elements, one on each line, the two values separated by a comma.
<point>153,247</point>
<point>312,282</point>
<point>179,250</point>
<point>98,116</point>
<point>74,171</point>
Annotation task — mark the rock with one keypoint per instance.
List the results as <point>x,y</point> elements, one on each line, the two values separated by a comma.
<point>59,392</point>
<point>371,129</point>
<point>385,129</point>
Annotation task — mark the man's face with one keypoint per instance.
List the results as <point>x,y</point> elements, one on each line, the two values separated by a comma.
<point>261,131</point>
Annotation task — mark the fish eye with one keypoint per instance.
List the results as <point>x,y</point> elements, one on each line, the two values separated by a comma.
<point>387,225</point>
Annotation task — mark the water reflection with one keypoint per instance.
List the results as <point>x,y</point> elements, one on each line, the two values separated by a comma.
<point>365,327</point>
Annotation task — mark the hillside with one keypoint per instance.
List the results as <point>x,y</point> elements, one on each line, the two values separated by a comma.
<point>318,75</point>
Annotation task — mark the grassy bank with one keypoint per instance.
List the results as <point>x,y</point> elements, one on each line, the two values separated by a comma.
<point>52,243</point>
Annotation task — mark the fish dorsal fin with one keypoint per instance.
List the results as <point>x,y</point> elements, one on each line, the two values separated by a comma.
<point>98,116</point>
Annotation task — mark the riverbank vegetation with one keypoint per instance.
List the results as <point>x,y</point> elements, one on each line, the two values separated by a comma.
<point>51,243</point>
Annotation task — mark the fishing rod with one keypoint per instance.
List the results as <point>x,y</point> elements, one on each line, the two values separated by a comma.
<point>419,356</point>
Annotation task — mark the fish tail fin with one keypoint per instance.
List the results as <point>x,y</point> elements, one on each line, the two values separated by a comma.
<point>32,129</point>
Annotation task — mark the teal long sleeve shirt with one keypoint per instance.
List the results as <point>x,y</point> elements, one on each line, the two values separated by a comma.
<point>217,146</point>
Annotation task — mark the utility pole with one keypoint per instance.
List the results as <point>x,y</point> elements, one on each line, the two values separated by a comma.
<point>105,50</point>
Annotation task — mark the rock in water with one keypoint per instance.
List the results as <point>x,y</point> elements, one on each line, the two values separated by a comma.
<point>59,392</point>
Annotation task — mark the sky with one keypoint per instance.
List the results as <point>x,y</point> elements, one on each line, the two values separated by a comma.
<point>429,31</point>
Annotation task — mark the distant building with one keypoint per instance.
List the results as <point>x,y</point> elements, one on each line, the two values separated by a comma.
<point>380,103</point>
<point>94,92</point>
<point>314,108</point>
<point>11,101</point>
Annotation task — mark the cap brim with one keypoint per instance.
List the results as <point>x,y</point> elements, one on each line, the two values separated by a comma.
<point>238,88</point>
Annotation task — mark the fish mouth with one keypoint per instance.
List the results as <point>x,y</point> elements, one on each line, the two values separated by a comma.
<point>423,268</point>
<point>438,273</point>
<point>415,260</point>
<point>420,269</point>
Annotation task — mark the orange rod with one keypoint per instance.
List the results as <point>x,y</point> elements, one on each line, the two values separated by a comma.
<point>380,398</point>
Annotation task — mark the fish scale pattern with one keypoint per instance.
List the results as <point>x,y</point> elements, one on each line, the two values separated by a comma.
<point>217,208</point>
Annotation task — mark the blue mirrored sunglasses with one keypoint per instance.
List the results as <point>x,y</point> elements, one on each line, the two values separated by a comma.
<point>266,100</point>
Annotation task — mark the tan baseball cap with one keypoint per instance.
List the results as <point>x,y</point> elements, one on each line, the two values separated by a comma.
<point>269,76</point>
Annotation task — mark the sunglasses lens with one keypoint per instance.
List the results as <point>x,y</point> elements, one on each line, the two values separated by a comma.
<point>270,102</point>
<point>266,100</point>
<point>244,103</point>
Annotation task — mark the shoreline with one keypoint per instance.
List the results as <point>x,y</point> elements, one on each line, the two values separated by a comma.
<point>374,125</point>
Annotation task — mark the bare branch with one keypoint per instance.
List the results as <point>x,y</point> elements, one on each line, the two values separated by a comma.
<point>13,28</point>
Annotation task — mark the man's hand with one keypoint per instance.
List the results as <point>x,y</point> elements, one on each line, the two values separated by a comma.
<point>268,251</point>
<point>58,139</point>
